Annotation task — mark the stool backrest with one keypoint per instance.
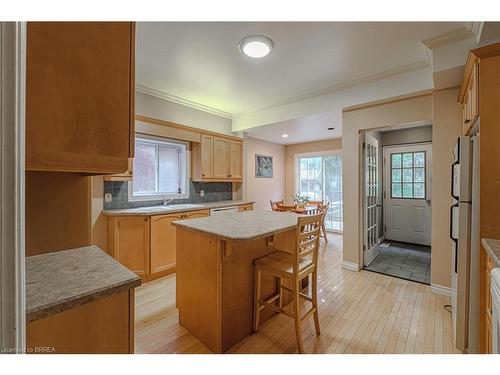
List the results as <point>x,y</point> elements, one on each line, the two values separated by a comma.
<point>307,239</point>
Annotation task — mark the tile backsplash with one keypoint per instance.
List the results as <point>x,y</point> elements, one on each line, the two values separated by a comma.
<point>214,192</point>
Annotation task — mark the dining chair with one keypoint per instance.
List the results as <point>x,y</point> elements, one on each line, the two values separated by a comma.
<point>287,207</point>
<point>275,204</point>
<point>324,210</point>
<point>293,266</point>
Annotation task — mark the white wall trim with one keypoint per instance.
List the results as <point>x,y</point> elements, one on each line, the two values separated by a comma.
<point>178,100</point>
<point>442,290</point>
<point>476,28</point>
<point>351,266</point>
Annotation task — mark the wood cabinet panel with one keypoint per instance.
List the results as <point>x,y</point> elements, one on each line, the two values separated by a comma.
<point>105,326</point>
<point>80,96</point>
<point>163,242</point>
<point>221,158</point>
<point>235,160</point>
<point>247,207</point>
<point>128,241</point>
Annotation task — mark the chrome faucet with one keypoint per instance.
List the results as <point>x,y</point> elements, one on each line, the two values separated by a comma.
<point>166,201</point>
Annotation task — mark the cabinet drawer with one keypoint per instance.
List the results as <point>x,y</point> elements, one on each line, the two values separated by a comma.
<point>247,207</point>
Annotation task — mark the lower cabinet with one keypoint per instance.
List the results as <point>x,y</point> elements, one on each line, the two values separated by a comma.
<point>128,242</point>
<point>247,207</point>
<point>146,244</point>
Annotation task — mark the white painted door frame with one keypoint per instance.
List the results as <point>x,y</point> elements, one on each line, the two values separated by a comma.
<point>424,239</point>
<point>12,114</point>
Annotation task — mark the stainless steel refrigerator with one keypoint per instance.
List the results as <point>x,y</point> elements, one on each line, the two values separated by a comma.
<point>464,233</point>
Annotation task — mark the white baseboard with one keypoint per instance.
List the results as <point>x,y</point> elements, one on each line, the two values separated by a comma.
<point>443,290</point>
<point>350,266</point>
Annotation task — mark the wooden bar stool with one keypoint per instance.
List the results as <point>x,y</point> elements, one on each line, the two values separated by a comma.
<point>294,267</point>
<point>275,204</point>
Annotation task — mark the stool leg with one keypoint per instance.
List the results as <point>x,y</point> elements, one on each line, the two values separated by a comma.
<point>296,315</point>
<point>315,300</point>
<point>324,232</point>
<point>256,296</point>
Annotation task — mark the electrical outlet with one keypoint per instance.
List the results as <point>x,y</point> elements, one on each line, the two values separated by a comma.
<point>108,197</point>
<point>202,193</point>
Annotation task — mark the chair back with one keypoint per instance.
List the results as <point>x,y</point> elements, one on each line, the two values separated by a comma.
<point>287,207</point>
<point>315,203</point>
<point>275,204</point>
<point>307,239</point>
<point>324,211</point>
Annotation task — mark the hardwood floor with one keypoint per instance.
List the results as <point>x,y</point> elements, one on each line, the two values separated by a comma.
<point>360,312</point>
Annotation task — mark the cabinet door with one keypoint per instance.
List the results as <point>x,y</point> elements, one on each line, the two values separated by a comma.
<point>488,339</point>
<point>221,158</point>
<point>235,160</point>
<point>248,207</point>
<point>163,244</point>
<point>207,142</point>
<point>132,243</point>
<point>80,96</point>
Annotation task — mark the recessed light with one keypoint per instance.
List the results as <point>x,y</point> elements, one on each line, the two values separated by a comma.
<point>256,46</point>
<point>331,128</point>
<point>285,136</point>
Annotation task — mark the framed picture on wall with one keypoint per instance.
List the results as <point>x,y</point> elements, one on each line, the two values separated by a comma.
<point>263,166</point>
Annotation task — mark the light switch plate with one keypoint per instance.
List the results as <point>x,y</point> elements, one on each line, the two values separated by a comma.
<point>202,193</point>
<point>108,197</point>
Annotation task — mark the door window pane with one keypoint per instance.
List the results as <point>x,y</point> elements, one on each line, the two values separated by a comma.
<point>408,175</point>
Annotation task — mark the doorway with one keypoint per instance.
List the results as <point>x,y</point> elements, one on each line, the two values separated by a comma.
<point>397,181</point>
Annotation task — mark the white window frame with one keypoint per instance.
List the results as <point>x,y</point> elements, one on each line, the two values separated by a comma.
<point>184,163</point>
<point>296,173</point>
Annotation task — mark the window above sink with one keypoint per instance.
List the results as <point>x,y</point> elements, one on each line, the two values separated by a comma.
<point>161,169</point>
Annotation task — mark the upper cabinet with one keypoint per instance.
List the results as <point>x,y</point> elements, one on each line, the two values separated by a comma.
<point>217,158</point>
<point>470,99</point>
<point>80,96</point>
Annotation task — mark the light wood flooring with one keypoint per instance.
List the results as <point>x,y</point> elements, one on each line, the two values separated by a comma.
<point>360,312</point>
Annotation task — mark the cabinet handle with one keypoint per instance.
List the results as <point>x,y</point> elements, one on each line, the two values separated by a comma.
<point>146,219</point>
<point>467,121</point>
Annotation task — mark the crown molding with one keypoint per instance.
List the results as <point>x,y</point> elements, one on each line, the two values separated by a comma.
<point>342,86</point>
<point>178,100</point>
<point>476,28</point>
<point>450,37</point>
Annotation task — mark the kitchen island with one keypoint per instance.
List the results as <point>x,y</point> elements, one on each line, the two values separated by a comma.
<point>215,272</point>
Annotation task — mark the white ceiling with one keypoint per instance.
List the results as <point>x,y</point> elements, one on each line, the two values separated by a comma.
<point>201,62</point>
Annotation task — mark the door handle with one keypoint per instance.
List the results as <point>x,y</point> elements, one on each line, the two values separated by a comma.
<point>429,202</point>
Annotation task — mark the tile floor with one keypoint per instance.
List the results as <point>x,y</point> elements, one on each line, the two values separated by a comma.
<point>407,261</point>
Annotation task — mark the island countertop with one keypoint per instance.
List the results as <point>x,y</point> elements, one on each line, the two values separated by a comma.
<point>242,226</point>
<point>61,280</point>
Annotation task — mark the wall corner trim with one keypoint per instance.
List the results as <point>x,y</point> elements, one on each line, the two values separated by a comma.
<point>350,266</point>
<point>442,290</point>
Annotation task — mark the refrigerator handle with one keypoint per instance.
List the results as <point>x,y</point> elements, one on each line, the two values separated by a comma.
<point>453,180</point>
<point>452,238</point>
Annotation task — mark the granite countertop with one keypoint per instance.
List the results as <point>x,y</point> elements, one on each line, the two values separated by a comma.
<point>173,208</point>
<point>242,226</point>
<point>492,247</point>
<point>62,280</point>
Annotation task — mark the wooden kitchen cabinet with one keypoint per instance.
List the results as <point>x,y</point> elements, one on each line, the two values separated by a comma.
<point>470,103</point>
<point>80,96</point>
<point>246,207</point>
<point>221,158</point>
<point>162,259</point>
<point>128,242</point>
<point>217,158</point>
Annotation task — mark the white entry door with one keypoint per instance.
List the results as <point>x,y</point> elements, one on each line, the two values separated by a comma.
<point>407,193</point>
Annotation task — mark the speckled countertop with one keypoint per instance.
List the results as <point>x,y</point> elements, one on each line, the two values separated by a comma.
<point>492,247</point>
<point>173,208</point>
<point>61,280</point>
<point>242,226</point>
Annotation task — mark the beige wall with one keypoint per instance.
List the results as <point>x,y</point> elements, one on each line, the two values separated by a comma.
<point>300,148</point>
<point>404,136</point>
<point>262,190</point>
<point>416,110</point>
<point>446,130</point>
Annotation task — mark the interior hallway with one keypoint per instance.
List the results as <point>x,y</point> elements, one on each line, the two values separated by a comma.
<point>360,312</point>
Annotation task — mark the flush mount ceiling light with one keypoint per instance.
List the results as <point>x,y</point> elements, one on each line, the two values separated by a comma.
<point>256,46</point>
<point>285,136</point>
